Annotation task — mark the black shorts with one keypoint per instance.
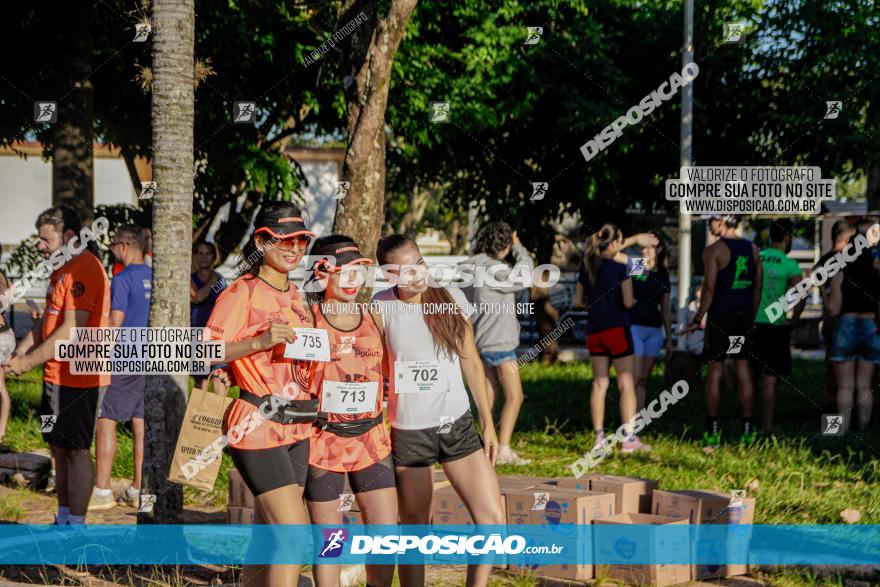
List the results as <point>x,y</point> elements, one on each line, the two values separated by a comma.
<point>266,469</point>
<point>324,485</point>
<point>423,448</point>
<point>721,330</point>
<point>67,415</point>
<point>772,351</point>
<point>124,398</point>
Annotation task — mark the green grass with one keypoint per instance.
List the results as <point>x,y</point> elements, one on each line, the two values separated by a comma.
<point>801,476</point>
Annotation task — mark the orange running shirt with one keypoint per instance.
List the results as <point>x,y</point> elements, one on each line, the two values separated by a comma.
<point>79,284</point>
<point>356,357</point>
<point>244,310</point>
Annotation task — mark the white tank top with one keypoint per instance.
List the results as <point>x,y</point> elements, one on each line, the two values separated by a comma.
<point>408,340</point>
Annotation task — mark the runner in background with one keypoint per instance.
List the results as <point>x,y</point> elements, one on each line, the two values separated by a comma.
<point>650,317</point>
<point>497,333</point>
<point>428,404</point>
<point>605,290</point>
<point>7,346</point>
<point>255,316</point>
<point>841,233</point>
<point>124,400</point>
<point>203,288</point>
<point>730,298</point>
<point>351,437</point>
<point>78,296</point>
<point>772,354</point>
<point>855,350</point>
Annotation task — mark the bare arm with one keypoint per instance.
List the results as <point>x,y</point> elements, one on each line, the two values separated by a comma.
<point>201,294</point>
<point>472,368</point>
<point>759,281</point>
<point>664,313</point>
<point>117,318</point>
<point>276,334</point>
<point>45,350</point>
<point>579,301</point>
<point>799,308</point>
<point>710,279</point>
<point>626,288</point>
<point>835,294</point>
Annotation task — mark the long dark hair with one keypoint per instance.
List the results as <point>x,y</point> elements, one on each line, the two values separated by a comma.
<point>661,260</point>
<point>448,329</point>
<point>317,297</point>
<point>597,244</point>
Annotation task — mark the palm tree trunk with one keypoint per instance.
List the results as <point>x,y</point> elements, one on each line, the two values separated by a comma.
<point>172,123</point>
<point>368,57</point>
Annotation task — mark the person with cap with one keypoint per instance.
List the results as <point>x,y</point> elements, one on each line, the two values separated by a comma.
<point>350,438</point>
<point>270,423</point>
<point>731,295</point>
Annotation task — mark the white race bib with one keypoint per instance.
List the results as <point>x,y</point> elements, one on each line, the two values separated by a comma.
<point>311,344</point>
<point>349,397</point>
<point>419,377</point>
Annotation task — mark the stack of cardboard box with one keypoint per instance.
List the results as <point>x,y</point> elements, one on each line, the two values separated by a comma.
<point>711,507</point>
<point>240,505</point>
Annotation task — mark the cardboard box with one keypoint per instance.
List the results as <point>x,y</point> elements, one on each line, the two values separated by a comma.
<point>239,515</point>
<point>523,481</point>
<point>448,508</point>
<point>633,494</point>
<point>710,507</point>
<point>561,506</point>
<point>239,493</point>
<point>579,484</point>
<point>644,546</point>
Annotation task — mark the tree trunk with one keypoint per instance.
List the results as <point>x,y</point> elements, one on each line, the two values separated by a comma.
<point>367,60</point>
<point>172,124</point>
<point>872,187</point>
<point>72,154</point>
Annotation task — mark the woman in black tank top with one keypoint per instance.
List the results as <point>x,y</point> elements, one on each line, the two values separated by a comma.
<point>855,349</point>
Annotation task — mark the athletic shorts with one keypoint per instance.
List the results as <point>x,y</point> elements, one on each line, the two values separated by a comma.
<point>124,398</point>
<point>614,342</point>
<point>729,336</point>
<point>647,340</point>
<point>265,469</point>
<point>423,448</point>
<point>72,411</point>
<point>324,485</point>
<point>856,339</point>
<point>772,349</point>
<point>496,358</point>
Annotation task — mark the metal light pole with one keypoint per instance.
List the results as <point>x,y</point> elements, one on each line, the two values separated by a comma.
<point>687,125</point>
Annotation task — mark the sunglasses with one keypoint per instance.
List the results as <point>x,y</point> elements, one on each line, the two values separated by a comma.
<point>297,242</point>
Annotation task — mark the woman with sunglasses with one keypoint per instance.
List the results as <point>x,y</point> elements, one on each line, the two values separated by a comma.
<point>351,437</point>
<point>430,344</point>
<point>255,316</point>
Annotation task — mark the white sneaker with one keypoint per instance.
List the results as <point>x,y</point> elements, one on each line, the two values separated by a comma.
<point>132,496</point>
<point>101,502</point>
<point>600,446</point>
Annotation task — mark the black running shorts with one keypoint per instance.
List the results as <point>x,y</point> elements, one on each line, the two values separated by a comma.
<point>324,485</point>
<point>423,448</point>
<point>266,469</point>
<point>67,415</point>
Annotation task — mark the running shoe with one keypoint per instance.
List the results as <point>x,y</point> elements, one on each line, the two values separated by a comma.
<point>748,438</point>
<point>132,496</point>
<point>634,445</point>
<point>101,502</point>
<point>509,457</point>
<point>600,446</point>
<point>711,440</point>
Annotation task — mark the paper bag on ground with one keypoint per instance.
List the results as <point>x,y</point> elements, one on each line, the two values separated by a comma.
<point>196,462</point>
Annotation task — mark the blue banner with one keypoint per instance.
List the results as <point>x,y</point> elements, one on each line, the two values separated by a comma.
<point>519,545</point>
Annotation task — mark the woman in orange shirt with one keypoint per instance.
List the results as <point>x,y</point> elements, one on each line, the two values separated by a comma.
<point>351,437</point>
<point>256,315</point>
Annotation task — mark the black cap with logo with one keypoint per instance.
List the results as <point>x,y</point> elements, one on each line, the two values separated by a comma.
<point>281,221</point>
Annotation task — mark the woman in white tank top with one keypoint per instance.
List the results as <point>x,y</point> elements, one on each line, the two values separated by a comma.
<point>430,345</point>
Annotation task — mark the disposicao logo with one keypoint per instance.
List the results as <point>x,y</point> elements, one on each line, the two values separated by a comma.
<point>334,540</point>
